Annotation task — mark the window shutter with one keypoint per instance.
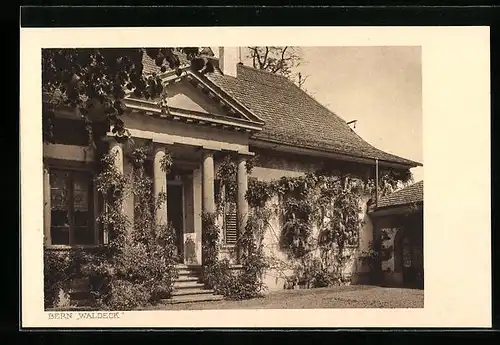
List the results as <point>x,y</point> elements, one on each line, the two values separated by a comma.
<point>231,228</point>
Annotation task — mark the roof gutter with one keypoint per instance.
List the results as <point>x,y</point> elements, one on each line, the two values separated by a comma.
<point>276,145</point>
<point>395,209</point>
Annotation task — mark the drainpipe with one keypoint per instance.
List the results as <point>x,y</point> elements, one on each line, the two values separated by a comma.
<point>376,182</point>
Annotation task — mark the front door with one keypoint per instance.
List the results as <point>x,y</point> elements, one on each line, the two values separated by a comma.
<point>175,215</point>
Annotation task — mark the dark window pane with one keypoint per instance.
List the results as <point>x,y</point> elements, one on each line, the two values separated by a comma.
<point>81,218</point>
<point>58,190</point>
<point>59,218</point>
<point>71,205</point>
<point>83,235</point>
<point>81,184</point>
<point>60,235</point>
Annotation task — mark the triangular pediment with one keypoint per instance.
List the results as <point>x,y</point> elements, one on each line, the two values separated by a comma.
<point>184,95</point>
<point>192,99</point>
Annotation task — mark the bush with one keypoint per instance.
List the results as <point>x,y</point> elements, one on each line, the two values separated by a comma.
<point>146,272</point>
<point>56,267</point>
<point>138,265</point>
<point>218,275</point>
<point>126,295</point>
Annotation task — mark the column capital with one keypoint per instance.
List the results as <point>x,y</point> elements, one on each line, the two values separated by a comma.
<point>208,152</point>
<point>245,155</point>
<point>159,147</point>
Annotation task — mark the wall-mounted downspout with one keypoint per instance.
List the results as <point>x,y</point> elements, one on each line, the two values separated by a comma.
<point>376,182</point>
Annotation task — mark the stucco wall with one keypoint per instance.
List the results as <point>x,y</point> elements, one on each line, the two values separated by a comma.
<point>272,167</point>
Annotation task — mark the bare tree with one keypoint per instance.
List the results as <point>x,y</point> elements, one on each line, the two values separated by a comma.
<point>301,79</point>
<point>278,60</point>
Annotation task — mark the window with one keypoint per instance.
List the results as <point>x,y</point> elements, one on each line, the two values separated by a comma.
<point>71,216</point>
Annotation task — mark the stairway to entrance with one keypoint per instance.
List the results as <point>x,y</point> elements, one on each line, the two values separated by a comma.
<point>188,287</point>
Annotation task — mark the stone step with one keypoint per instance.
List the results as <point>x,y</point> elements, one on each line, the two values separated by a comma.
<point>187,278</point>
<point>196,270</point>
<point>192,299</point>
<point>188,267</point>
<point>188,284</point>
<point>192,291</point>
<point>186,273</point>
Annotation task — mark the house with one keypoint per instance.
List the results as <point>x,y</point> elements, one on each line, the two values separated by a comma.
<point>234,109</point>
<point>398,224</point>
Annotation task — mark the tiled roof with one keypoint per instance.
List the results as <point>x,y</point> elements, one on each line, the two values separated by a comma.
<point>409,195</point>
<point>149,65</point>
<point>292,117</point>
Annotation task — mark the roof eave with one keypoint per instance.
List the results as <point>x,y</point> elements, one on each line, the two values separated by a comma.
<point>396,209</point>
<point>277,145</point>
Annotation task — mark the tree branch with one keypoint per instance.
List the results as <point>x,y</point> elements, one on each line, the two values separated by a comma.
<point>283,53</point>
<point>265,59</point>
<point>255,56</point>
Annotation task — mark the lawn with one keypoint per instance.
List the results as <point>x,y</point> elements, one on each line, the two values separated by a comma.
<point>354,296</point>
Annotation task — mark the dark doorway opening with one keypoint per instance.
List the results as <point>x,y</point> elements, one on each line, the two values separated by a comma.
<point>175,215</point>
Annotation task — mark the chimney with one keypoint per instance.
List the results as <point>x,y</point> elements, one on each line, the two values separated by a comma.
<point>228,59</point>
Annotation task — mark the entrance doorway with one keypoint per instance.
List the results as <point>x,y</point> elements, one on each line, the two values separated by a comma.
<point>407,256</point>
<point>412,260</point>
<point>175,214</point>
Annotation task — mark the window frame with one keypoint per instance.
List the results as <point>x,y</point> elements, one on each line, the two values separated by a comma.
<point>73,167</point>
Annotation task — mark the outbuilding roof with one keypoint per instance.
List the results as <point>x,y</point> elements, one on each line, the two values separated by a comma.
<point>406,196</point>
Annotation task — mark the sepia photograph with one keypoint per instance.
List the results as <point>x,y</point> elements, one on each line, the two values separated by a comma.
<point>214,177</point>
<point>238,179</point>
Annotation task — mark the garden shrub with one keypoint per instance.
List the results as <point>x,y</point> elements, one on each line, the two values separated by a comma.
<point>56,267</point>
<point>137,266</point>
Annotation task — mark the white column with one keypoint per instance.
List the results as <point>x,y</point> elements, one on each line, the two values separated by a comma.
<point>47,206</point>
<point>197,210</point>
<point>160,183</point>
<point>208,182</point>
<point>116,149</point>
<point>242,204</point>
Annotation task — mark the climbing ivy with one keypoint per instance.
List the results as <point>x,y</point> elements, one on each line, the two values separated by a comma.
<point>245,282</point>
<point>320,220</point>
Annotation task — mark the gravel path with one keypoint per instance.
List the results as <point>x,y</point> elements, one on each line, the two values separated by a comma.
<point>354,296</point>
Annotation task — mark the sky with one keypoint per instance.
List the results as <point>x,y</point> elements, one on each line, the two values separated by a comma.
<point>380,87</point>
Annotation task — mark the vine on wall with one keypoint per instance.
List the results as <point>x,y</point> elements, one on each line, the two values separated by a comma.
<point>246,282</point>
<point>320,222</point>
<point>136,266</point>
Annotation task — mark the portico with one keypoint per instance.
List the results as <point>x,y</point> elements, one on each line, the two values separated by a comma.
<point>196,142</point>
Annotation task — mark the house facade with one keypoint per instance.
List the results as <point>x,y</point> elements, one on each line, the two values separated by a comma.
<point>235,109</point>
